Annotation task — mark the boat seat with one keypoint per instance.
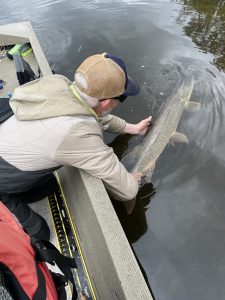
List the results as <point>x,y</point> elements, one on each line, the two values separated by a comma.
<point>23,70</point>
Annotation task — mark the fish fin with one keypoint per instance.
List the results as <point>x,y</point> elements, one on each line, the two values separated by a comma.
<point>129,205</point>
<point>148,172</point>
<point>191,105</point>
<point>178,137</point>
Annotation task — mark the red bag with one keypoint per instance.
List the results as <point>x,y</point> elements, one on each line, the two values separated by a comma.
<point>25,274</point>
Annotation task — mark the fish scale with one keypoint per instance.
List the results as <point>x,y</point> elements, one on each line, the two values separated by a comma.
<point>155,141</point>
<point>144,156</point>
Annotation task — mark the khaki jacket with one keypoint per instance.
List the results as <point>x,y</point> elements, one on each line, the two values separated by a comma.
<point>79,142</point>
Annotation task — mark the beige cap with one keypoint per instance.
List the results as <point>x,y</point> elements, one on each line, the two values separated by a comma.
<point>104,77</point>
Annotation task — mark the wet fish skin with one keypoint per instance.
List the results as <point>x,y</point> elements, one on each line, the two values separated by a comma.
<point>147,152</point>
<point>142,157</point>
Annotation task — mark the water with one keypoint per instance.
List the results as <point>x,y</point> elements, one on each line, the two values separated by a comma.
<point>177,229</point>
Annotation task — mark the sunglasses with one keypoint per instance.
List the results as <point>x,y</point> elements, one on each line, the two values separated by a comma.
<point>120,98</point>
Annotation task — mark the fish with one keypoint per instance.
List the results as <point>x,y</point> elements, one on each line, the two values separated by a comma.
<point>142,158</point>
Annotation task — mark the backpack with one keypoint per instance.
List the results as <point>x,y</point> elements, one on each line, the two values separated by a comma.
<point>24,275</point>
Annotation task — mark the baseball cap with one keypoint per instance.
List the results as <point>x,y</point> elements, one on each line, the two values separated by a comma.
<point>106,77</point>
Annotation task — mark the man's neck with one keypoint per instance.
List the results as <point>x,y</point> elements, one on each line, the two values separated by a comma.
<point>97,110</point>
<point>82,101</point>
<point>91,101</point>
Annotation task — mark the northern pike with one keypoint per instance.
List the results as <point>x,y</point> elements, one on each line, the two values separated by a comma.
<point>142,157</point>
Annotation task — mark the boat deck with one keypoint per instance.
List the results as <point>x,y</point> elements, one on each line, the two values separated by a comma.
<point>63,235</point>
<point>8,72</point>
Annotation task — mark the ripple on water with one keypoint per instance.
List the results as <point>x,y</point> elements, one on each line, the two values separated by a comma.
<point>55,41</point>
<point>202,126</point>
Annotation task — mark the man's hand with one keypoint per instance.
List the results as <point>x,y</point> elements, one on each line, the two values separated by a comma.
<point>137,176</point>
<point>139,128</point>
<point>142,126</point>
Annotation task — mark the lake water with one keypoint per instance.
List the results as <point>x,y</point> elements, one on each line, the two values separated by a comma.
<point>177,229</point>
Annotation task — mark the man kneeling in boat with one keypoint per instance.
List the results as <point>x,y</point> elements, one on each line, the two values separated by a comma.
<point>57,122</point>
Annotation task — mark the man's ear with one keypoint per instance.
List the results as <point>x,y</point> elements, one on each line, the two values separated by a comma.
<point>105,104</point>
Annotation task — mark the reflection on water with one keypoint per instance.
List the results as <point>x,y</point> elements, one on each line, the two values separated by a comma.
<point>177,229</point>
<point>204,22</point>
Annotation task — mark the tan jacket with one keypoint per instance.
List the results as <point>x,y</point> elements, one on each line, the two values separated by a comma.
<point>48,104</point>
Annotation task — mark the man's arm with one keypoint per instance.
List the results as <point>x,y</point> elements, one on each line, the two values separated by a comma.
<point>84,148</point>
<point>139,128</point>
<point>117,125</point>
<point>113,124</point>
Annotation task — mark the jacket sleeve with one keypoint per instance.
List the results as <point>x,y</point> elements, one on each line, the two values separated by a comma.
<point>84,148</point>
<point>113,124</point>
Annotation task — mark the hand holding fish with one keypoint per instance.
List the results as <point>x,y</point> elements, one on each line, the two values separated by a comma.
<point>143,126</point>
<point>137,176</point>
<point>139,128</point>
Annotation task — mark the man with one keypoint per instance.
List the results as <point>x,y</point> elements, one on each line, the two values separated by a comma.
<point>57,123</point>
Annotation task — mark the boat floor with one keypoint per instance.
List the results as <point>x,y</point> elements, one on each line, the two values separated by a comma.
<point>8,72</point>
<point>53,208</point>
<point>63,235</point>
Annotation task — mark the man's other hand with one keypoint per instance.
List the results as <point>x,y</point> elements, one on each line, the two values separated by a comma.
<point>137,176</point>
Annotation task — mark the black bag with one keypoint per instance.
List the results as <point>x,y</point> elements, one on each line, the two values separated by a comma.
<point>5,109</point>
<point>23,70</point>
